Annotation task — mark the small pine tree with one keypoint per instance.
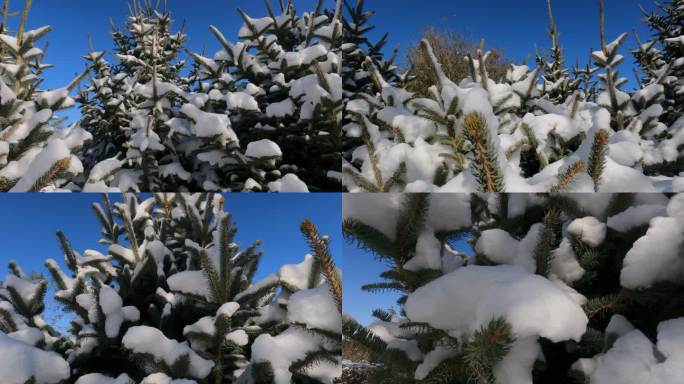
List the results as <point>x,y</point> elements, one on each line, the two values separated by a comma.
<point>35,152</point>
<point>25,334</point>
<point>281,87</point>
<point>557,83</point>
<point>660,58</point>
<point>127,107</point>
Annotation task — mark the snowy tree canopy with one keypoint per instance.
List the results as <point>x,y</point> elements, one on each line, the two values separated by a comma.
<point>36,153</point>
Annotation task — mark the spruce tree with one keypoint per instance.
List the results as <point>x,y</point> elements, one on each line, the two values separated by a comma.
<point>280,86</point>
<point>24,333</point>
<point>477,316</point>
<point>36,153</point>
<point>357,77</point>
<point>661,58</point>
<point>557,83</point>
<point>104,101</point>
<point>127,107</point>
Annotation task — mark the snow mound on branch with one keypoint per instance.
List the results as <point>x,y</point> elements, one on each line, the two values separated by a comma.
<point>516,366</point>
<point>55,152</point>
<point>96,378</point>
<point>241,100</point>
<point>379,210</point>
<point>238,337</point>
<point>589,230</point>
<point>263,148</point>
<point>19,362</point>
<point>25,288</point>
<point>532,305</point>
<point>228,309</point>
<point>288,183</point>
<point>297,275</point>
<point>205,124</point>
<point>111,305</point>
<point>316,308</point>
<point>151,341</point>
<point>676,209</point>
<point>290,346</point>
<point>656,256</point>
<point>446,211</point>
<point>30,336</point>
<point>564,264</point>
<point>160,378</point>
<point>432,360</point>
<point>634,217</point>
<point>498,246</point>
<point>634,359</point>
<point>190,282</point>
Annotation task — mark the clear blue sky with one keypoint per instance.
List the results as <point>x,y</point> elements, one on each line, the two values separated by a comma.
<point>515,26</point>
<point>27,230</point>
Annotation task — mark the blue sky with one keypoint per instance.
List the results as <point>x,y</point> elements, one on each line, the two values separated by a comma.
<point>515,26</point>
<point>27,231</point>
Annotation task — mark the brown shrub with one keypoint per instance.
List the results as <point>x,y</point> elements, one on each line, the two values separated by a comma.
<point>450,47</point>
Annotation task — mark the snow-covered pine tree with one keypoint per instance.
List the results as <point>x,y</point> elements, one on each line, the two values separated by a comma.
<point>137,97</point>
<point>36,153</point>
<point>281,88</point>
<point>557,83</point>
<point>173,299</point>
<point>662,59</point>
<point>29,348</point>
<point>104,104</point>
<point>357,79</point>
<point>612,97</point>
<point>585,265</point>
<point>637,116</point>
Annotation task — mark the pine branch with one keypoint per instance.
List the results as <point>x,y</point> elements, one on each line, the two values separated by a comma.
<point>487,170</point>
<point>382,287</point>
<point>486,348</point>
<point>369,239</point>
<point>53,173</point>
<point>69,254</point>
<point>449,371</point>
<point>225,255</point>
<point>7,323</point>
<point>382,315</point>
<point>603,306</point>
<point>355,331</point>
<point>410,225</point>
<point>546,242</point>
<point>319,248</point>
<point>128,225</point>
<point>212,276</point>
<point>314,358</point>
<point>597,159</point>
<point>262,373</point>
<point>566,178</point>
